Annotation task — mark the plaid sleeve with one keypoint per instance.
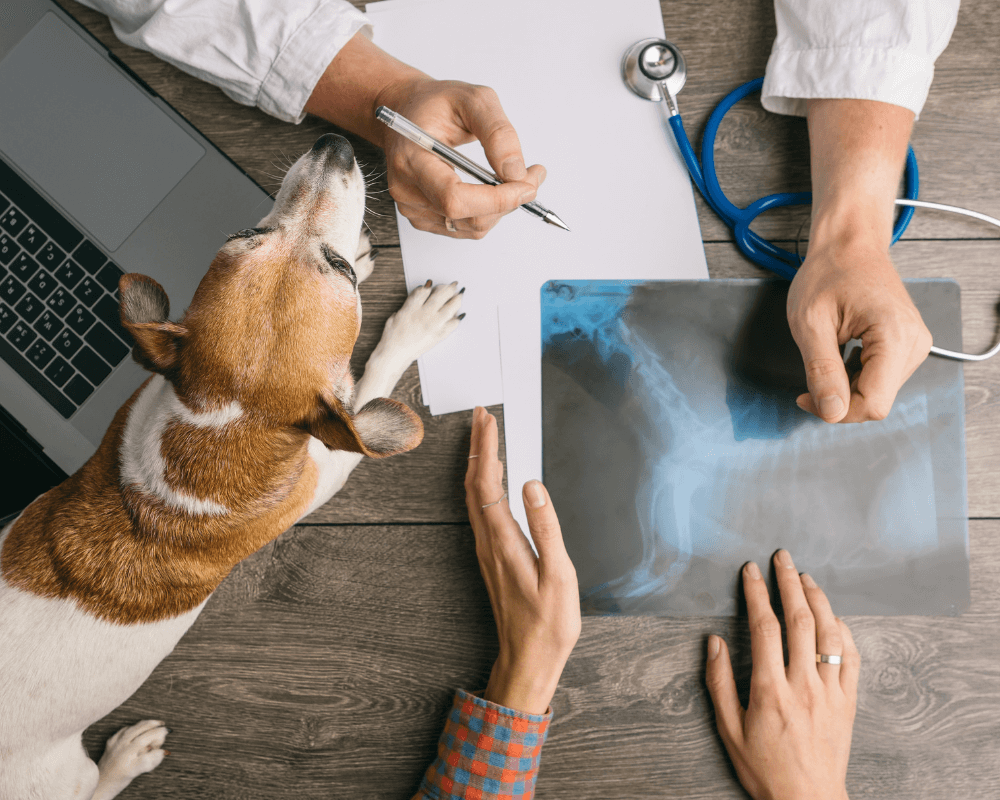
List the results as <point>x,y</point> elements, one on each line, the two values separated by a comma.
<point>486,751</point>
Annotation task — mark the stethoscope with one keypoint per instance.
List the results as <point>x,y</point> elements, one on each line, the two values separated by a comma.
<point>655,70</point>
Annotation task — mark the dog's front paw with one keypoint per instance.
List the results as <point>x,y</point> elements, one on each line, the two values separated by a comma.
<point>364,259</point>
<point>427,317</point>
<point>129,753</point>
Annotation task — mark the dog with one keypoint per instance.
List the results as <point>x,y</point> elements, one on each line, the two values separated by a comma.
<point>247,425</point>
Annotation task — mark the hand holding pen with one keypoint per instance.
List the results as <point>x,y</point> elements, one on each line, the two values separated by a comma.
<point>426,188</point>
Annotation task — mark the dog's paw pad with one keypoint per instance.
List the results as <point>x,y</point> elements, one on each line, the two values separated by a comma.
<point>364,259</point>
<point>427,317</point>
<point>129,753</point>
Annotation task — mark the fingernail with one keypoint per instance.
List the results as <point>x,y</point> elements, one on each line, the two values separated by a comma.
<point>461,316</point>
<point>513,169</point>
<point>830,406</point>
<point>429,284</point>
<point>808,582</point>
<point>534,494</point>
<point>713,647</point>
<point>800,403</point>
<point>785,559</point>
<point>753,571</point>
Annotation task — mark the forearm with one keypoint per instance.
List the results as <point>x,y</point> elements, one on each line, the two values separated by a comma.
<point>359,79</point>
<point>858,149</point>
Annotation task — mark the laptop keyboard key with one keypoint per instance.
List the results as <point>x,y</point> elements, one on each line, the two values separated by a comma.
<point>48,325</point>
<point>59,301</point>
<point>11,289</point>
<point>108,277</point>
<point>13,221</point>
<point>89,257</point>
<point>40,354</point>
<point>59,371</point>
<point>8,248</point>
<point>109,312</point>
<point>24,266</point>
<point>88,291</point>
<point>21,336</point>
<point>107,344</point>
<point>42,284</point>
<point>78,390</point>
<point>80,319</point>
<point>91,365</point>
<point>69,273</point>
<point>7,317</point>
<point>4,203</point>
<point>31,239</point>
<point>29,307</point>
<point>36,207</point>
<point>67,343</point>
<point>35,379</point>
<point>50,256</point>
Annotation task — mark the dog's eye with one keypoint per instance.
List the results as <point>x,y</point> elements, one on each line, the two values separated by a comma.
<point>339,264</point>
<point>246,233</point>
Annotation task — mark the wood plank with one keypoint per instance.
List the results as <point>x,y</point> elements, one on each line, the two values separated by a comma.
<point>325,663</point>
<point>425,484</point>
<point>757,153</point>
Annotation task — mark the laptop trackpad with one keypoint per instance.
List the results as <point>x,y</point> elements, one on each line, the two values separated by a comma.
<point>91,139</point>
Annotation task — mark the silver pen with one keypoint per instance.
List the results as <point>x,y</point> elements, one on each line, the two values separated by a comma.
<point>419,136</point>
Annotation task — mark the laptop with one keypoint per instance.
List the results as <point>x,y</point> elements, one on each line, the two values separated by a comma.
<point>99,176</point>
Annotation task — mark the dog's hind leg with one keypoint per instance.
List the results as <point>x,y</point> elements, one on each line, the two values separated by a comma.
<point>129,753</point>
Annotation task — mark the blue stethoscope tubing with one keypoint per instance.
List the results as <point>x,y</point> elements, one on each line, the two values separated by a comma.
<point>759,250</point>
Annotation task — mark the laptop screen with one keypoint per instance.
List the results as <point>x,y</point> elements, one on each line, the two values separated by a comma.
<point>90,138</point>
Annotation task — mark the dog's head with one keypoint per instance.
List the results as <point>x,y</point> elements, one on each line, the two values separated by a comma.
<point>274,321</point>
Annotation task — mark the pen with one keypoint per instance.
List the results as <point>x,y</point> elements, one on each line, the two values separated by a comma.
<point>419,136</point>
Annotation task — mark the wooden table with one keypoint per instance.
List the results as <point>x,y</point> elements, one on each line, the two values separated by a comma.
<point>324,665</point>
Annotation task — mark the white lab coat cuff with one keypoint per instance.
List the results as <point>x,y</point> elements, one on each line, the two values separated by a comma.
<point>900,77</point>
<point>304,58</point>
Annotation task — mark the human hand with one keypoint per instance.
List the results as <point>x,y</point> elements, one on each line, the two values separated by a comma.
<point>794,738</point>
<point>535,600</point>
<point>852,291</point>
<point>427,190</point>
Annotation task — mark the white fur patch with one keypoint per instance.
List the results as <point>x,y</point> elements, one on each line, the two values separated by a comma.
<point>141,457</point>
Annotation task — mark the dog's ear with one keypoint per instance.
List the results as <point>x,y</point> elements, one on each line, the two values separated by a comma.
<point>144,310</point>
<point>382,428</point>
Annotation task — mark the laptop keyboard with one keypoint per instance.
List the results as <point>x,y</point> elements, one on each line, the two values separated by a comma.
<point>60,328</point>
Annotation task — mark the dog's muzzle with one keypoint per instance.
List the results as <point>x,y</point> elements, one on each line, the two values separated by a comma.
<point>336,149</point>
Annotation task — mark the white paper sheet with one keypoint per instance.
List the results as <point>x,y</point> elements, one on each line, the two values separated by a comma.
<point>614,176</point>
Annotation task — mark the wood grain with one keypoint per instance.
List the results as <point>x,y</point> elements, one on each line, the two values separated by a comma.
<point>325,663</point>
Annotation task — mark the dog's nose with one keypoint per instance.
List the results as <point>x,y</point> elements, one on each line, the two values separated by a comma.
<point>337,149</point>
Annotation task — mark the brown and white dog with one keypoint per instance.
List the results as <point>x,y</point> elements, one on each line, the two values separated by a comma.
<point>247,425</point>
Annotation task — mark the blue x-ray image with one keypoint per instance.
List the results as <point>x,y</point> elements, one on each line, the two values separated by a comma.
<point>674,452</point>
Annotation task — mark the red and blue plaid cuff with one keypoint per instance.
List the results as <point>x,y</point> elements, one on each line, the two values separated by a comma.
<point>486,752</point>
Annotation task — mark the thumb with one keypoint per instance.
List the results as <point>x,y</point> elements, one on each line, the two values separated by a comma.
<point>829,388</point>
<point>722,688</point>
<point>543,524</point>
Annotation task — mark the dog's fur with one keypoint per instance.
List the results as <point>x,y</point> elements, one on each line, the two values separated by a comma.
<point>247,425</point>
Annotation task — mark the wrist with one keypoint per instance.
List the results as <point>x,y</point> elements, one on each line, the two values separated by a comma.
<point>521,689</point>
<point>851,223</point>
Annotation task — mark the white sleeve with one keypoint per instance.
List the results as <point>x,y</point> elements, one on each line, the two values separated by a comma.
<point>264,53</point>
<point>858,49</point>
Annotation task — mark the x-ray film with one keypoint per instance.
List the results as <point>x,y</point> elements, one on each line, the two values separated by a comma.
<point>674,453</point>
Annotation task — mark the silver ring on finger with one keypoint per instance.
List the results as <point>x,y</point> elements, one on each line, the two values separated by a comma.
<point>450,225</point>
<point>822,658</point>
<point>472,457</point>
<point>496,502</point>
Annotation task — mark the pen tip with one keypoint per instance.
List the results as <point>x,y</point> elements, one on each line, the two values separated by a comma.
<point>552,219</point>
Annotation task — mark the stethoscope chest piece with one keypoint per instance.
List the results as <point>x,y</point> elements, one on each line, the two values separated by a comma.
<point>648,63</point>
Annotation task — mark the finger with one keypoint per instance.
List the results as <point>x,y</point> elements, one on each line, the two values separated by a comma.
<point>765,630</point>
<point>850,667</point>
<point>455,199</point>
<point>478,414</point>
<point>488,483</point>
<point>484,117</point>
<point>722,689</point>
<point>828,639</point>
<point>545,530</point>
<point>829,389</point>
<point>799,623</point>
<point>883,370</point>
